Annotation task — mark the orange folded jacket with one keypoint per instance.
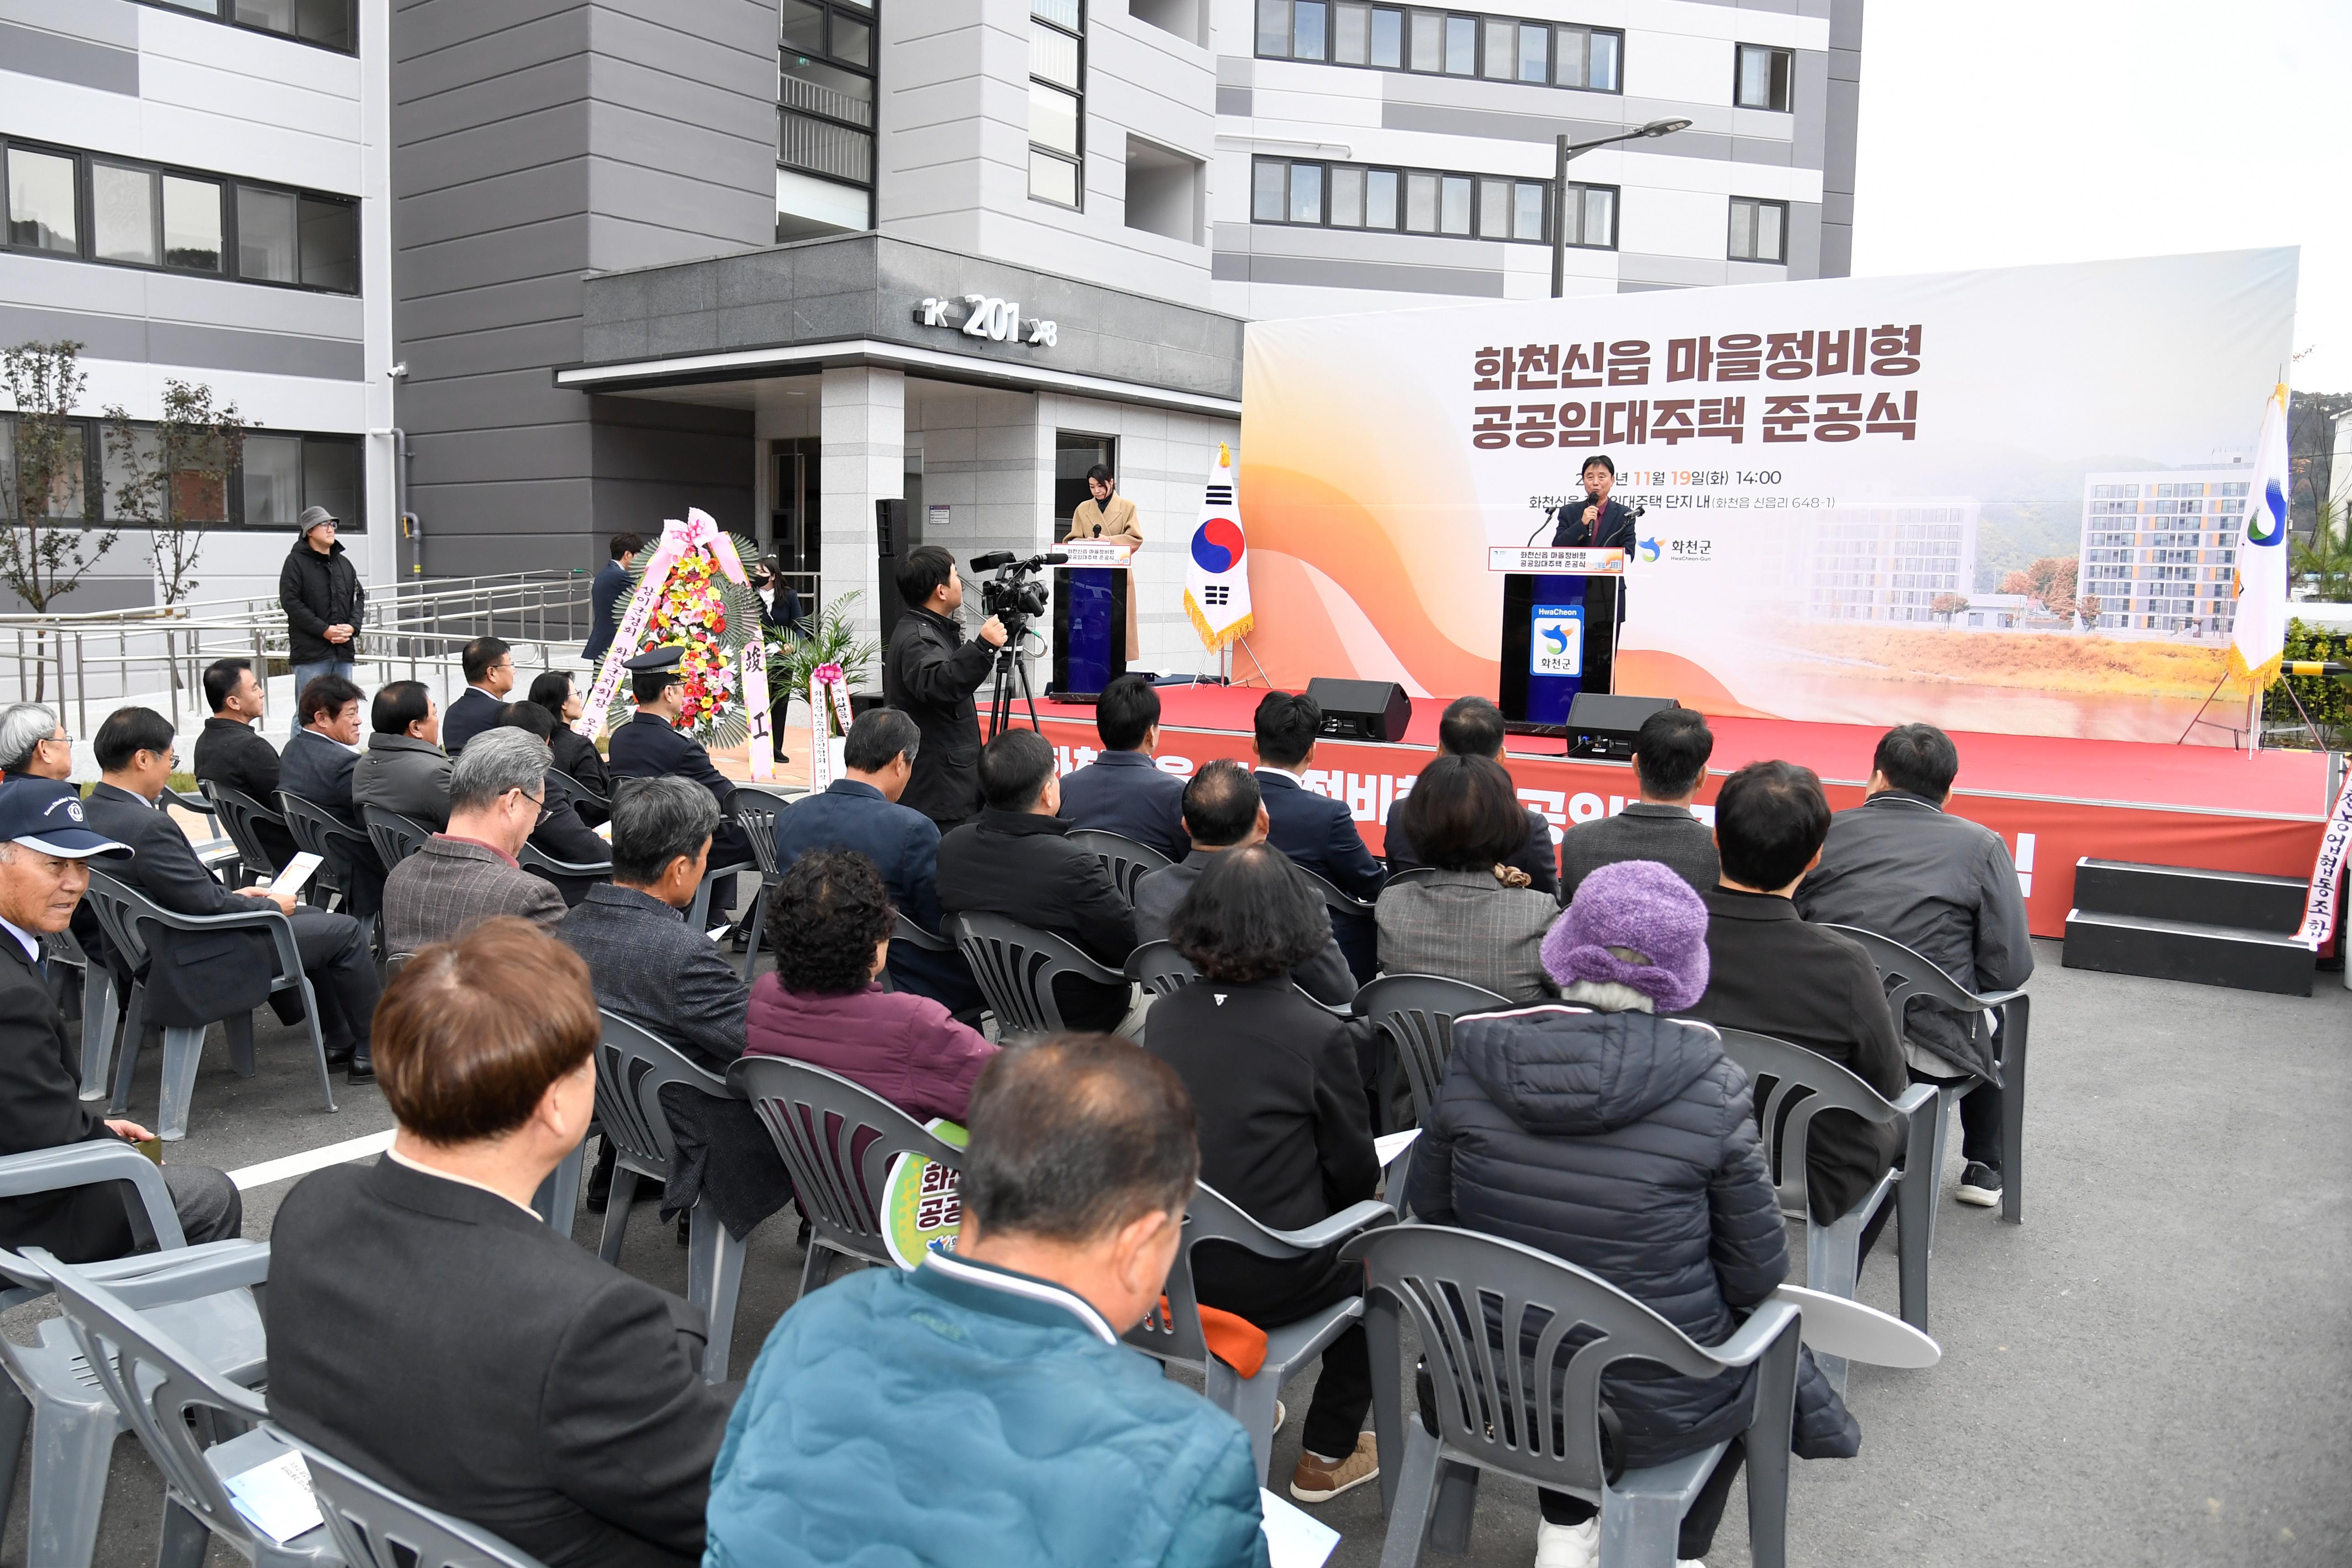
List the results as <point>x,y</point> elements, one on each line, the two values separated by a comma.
<point>1235,1340</point>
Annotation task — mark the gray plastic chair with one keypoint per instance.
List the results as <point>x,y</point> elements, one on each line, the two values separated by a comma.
<point>1128,862</point>
<point>218,856</point>
<point>539,864</point>
<point>1411,874</point>
<point>558,1198</point>
<point>632,1067</point>
<point>101,1019</point>
<point>697,913</point>
<point>123,912</point>
<point>1415,1014</point>
<point>754,809</point>
<point>1796,1083</point>
<point>241,817</point>
<point>395,837</point>
<point>1536,1416</point>
<point>581,791</point>
<point>1172,1336</point>
<point>49,1394</point>
<point>1333,899</point>
<point>1015,966</point>
<point>159,1382</point>
<point>839,1139</point>
<point>373,1526</point>
<point>1159,968</point>
<point>1905,975</point>
<point>318,832</point>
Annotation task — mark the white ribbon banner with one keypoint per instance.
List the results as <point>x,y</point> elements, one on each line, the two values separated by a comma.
<point>824,682</point>
<point>762,740</point>
<point>2322,905</point>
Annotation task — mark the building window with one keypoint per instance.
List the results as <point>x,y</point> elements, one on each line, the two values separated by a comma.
<point>1761,78</point>
<point>1759,230</point>
<point>1057,104</point>
<point>1424,200</point>
<point>825,118</point>
<point>279,474</point>
<point>93,208</point>
<point>329,23</point>
<point>1401,38</point>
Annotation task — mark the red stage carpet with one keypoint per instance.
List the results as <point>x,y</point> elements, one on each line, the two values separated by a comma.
<point>2053,800</point>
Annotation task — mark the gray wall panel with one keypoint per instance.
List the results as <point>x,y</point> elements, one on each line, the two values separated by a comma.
<point>1326,273</point>
<point>80,61</point>
<point>142,340</point>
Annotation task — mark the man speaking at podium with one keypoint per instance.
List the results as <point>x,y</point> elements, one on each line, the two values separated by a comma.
<point>1595,522</point>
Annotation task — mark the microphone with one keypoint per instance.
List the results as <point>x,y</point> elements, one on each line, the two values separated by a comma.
<point>993,559</point>
<point>1057,559</point>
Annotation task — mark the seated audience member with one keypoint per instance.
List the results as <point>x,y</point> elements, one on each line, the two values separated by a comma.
<point>656,971</point>
<point>405,769</point>
<point>824,1005</point>
<point>651,745</point>
<point>1477,919</point>
<point>46,847</point>
<point>427,1326</point>
<point>1623,1141</point>
<point>1223,811</point>
<point>229,753</point>
<point>1122,790</point>
<point>1773,972</point>
<point>1285,1133</point>
<point>861,812</point>
<point>467,873</point>
<point>1472,727</point>
<point>489,663</point>
<point>575,754</point>
<point>33,743</point>
<point>1015,858</point>
<point>318,768</point>
<point>561,833</point>
<point>191,978</point>
<point>1044,1440</point>
<point>1901,866</point>
<point>1316,831</point>
<point>1670,753</point>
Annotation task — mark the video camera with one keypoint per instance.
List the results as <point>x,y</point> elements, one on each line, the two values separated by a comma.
<point>1012,595</point>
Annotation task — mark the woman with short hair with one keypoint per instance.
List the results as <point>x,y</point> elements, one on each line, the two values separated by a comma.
<point>575,754</point>
<point>1475,918</point>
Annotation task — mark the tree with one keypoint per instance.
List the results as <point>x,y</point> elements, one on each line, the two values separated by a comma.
<point>49,545</point>
<point>2048,582</point>
<point>174,477</point>
<point>1948,604</point>
<point>2087,609</point>
<point>2325,560</point>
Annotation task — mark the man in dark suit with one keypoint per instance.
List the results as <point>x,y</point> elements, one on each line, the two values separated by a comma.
<point>1594,521</point>
<point>229,753</point>
<point>862,812</point>
<point>197,979</point>
<point>930,673</point>
<point>604,596</point>
<point>1015,858</point>
<point>489,663</point>
<point>1122,790</point>
<point>1472,727</point>
<point>428,1327</point>
<point>652,968</point>
<point>1316,831</point>
<point>318,768</point>
<point>45,845</point>
<point>405,769</point>
<point>650,746</point>
<point>1670,753</point>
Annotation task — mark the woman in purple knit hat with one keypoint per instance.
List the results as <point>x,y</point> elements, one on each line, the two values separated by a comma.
<point>1603,1132</point>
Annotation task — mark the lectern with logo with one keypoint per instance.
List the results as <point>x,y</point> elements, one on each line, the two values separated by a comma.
<point>1560,631</point>
<point>1090,617</point>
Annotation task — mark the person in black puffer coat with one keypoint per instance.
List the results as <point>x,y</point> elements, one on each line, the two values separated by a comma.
<point>1626,1142</point>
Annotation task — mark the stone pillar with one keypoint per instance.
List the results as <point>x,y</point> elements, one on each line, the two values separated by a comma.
<point>863,424</point>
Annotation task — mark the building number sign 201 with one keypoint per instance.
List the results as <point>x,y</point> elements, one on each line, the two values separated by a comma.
<point>998,320</point>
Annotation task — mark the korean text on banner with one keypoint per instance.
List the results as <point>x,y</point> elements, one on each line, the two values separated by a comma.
<point>2323,905</point>
<point>2257,639</point>
<point>762,740</point>
<point>828,701</point>
<point>1216,564</point>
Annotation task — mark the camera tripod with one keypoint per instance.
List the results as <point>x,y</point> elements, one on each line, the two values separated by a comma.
<point>1010,669</point>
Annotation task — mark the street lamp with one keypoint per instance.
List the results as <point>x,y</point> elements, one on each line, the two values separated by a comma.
<point>1567,150</point>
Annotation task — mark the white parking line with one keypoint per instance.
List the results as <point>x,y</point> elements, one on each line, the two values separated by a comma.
<point>309,1160</point>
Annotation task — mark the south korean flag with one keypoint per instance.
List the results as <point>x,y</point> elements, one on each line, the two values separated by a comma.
<point>1216,570</point>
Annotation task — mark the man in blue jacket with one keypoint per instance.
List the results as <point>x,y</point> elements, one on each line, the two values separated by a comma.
<point>1122,790</point>
<point>1317,832</point>
<point>981,1410</point>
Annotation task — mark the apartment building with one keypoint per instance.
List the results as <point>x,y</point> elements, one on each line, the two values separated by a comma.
<point>194,193</point>
<point>1894,561</point>
<point>2160,550</point>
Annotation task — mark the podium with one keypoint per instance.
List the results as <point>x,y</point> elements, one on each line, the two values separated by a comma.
<point>1089,618</point>
<point>1560,611</point>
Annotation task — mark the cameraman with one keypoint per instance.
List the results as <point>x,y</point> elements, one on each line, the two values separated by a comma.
<point>929,674</point>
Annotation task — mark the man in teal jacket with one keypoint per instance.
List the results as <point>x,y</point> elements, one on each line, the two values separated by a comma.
<point>981,1410</point>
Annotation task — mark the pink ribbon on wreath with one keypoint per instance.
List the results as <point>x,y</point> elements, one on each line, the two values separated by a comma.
<point>825,682</point>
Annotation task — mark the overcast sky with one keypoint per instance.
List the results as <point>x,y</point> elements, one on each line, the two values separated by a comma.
<point>2002,132</point>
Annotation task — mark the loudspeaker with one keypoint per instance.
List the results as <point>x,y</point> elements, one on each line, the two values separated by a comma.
<point>1362,710</point>
<point>1601,724</point>
<point>897,535</point>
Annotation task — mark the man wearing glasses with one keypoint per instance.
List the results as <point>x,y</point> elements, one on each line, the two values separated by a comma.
<point>33,743</point>
<point>468,872</point>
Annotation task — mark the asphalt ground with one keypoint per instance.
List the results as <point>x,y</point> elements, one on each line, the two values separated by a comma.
<point>2155,1368</point>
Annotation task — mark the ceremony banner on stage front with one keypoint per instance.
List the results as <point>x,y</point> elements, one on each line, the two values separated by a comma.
<point>2005,500</point>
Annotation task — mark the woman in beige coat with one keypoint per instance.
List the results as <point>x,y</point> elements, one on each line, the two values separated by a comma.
<point>1112,518</point>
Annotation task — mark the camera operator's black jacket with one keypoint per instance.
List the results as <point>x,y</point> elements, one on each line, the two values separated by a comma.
<point>929,674</point>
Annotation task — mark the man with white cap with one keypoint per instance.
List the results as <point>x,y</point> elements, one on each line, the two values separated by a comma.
<point>46,846</point>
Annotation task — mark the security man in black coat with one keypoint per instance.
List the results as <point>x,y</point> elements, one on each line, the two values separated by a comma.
<point>930,673</point>
<point>650,746</point>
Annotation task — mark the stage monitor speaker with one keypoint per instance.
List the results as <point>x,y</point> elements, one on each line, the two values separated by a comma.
<point>1602,725</point>
<point>1362,710</point>
<point>897,535</point>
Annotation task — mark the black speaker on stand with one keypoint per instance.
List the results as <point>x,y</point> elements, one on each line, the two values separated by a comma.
<point>1362,710</point>
<point>897,536</point>
<point>1602,724</point>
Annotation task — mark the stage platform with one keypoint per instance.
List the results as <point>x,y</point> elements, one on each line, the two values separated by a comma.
<point>2053,800</point>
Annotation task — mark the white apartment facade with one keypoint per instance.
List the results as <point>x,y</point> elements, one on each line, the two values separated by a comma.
<point>2160,550</point>
<point>195,192</point>
<point>1897,561</point>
